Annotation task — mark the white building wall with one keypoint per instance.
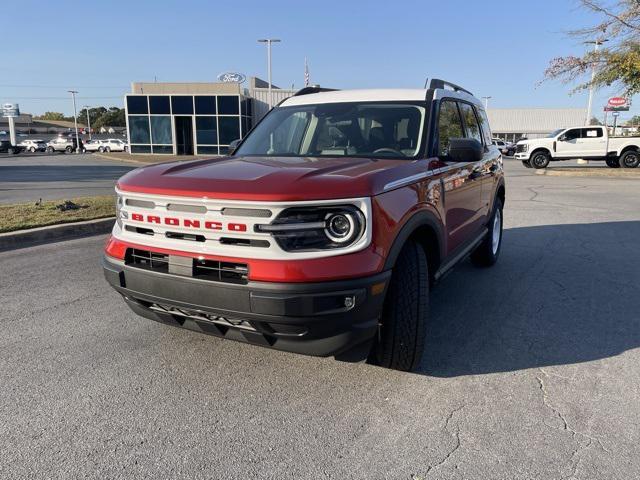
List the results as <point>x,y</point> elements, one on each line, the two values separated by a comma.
<point>513,123</point>
<point>261,100</point>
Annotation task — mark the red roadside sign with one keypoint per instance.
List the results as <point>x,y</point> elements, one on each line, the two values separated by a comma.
<point>617,102</point>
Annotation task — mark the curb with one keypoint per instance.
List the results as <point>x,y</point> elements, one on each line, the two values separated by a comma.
<point>590,172</point>
<point>135,162</point>
<point>54,233</point>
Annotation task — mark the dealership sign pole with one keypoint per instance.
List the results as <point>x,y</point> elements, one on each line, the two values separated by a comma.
<point>616,105</point>
<point>11,111</point>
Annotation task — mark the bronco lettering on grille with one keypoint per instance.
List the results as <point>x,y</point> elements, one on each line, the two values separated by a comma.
<point>189,223</point>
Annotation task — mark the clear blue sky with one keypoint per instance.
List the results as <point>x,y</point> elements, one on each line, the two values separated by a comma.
<point>492,47</point>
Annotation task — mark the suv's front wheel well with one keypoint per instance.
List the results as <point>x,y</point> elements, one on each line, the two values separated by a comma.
<point>426,237</point>
<point>501,194</point>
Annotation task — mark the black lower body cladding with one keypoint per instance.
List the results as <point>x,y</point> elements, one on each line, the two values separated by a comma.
<point>320,319</point>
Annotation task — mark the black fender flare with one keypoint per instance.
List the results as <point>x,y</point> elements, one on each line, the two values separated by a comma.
<point>499,185</point>
<point>419,219</point>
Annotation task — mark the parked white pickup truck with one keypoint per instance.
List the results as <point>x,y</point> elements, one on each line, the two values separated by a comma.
<point>589,143</point>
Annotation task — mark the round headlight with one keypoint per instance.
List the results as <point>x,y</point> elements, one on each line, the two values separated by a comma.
<point>340,227</point>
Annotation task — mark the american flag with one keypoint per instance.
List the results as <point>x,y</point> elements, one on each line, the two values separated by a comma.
<point>306,73</point>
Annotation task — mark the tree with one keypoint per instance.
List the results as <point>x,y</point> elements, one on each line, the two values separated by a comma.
<point>103,117</point>
<point>114,117</point>
<point>617,62</point>
<point>594,121</point>
<point>634,121</point>
<point>53,116</point>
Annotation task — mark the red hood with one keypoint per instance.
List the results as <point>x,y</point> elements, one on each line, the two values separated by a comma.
<point>271,178</point>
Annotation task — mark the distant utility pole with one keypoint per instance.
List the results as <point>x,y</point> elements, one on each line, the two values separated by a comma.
<point>88,121</point>
<point>486,102</point>
<point>75,118</point>
<point>269,41</point>
<point>596,44</point>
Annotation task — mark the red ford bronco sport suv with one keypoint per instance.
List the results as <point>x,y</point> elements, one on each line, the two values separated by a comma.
<point>325,228</point>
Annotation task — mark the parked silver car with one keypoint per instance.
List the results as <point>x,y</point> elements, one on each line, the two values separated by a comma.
<point>62,144</point>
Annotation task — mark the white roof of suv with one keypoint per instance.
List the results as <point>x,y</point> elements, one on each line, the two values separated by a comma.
<point>373,95</point>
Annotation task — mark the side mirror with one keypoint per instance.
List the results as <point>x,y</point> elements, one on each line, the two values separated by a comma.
<point>234,145</point>
<point>562,138</point>
<point>465,150</point>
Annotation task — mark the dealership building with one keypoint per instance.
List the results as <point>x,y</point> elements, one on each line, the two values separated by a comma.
<point>512,124</point>
<point>194,118</point>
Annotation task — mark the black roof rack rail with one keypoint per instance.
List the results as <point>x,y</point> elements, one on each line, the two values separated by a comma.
<point>314,89</point>
<point>438,83</point>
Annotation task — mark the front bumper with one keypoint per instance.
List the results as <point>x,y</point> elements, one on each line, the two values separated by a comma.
<point>522,156</point>
<point>308,318</point>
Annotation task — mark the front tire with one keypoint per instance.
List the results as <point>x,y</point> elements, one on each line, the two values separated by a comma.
<point>32,149</point>
<point>487,253</point>
<point>613,162</point>
<point>107,149</point>
<point>49,150</point>
<point>540,160</point>
<point>630,159</point>
<point>68,149</point>
<point>403,326</point>
<point>526,163</point>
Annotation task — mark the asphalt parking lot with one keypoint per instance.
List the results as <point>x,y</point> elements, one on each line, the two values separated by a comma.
<point>29,177</point>
<point>532,368</point>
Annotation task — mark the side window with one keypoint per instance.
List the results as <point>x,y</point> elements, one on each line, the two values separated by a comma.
<point>591,133</point>
<point>571,134</point>
<point>484,123</point>
<point>470,122</point>
<point>449,125</point>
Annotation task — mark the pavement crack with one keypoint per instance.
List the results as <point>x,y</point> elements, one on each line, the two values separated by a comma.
<point>575,434</point>
<point>456,437</point>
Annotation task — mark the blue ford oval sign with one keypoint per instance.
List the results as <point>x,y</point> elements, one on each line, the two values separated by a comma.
<point>231,77</point>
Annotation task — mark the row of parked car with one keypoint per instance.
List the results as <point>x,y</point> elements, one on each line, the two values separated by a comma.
<point>68,145</point>
<point>506,148</point>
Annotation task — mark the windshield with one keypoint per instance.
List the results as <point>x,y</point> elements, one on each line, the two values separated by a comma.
<point>339,129</point>
<point>555,132</point>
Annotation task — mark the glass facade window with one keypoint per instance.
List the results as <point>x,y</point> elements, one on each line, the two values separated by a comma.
<point>205,105</point>
<point>228,105</point>
<point>182,104</point>
<point>137,104</point>
<point>186,124</point>
<point>229,129</point>
<point>163,149</point>
<point>139,129</point>
<point>206,131</point>
<point>246,125</point>
<point>159,104</point>
<point>207,150</point>
<point>161,130</point>
<point>140,148</point>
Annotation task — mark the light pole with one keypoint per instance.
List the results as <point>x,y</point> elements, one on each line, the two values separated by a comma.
<point>75,118</point>
<point>88,121</point>
<point>269,41</point>
<point>486,102</point>
<point>596,44</point>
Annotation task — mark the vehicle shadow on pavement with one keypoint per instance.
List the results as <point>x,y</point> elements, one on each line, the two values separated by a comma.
<point>559,294</point>
<point>61,173</point>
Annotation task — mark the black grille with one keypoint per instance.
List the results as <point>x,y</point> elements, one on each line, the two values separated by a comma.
<point>221,271</point>
<point>214,270</point>
<point>521,148</point>
<point>158,262</point>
